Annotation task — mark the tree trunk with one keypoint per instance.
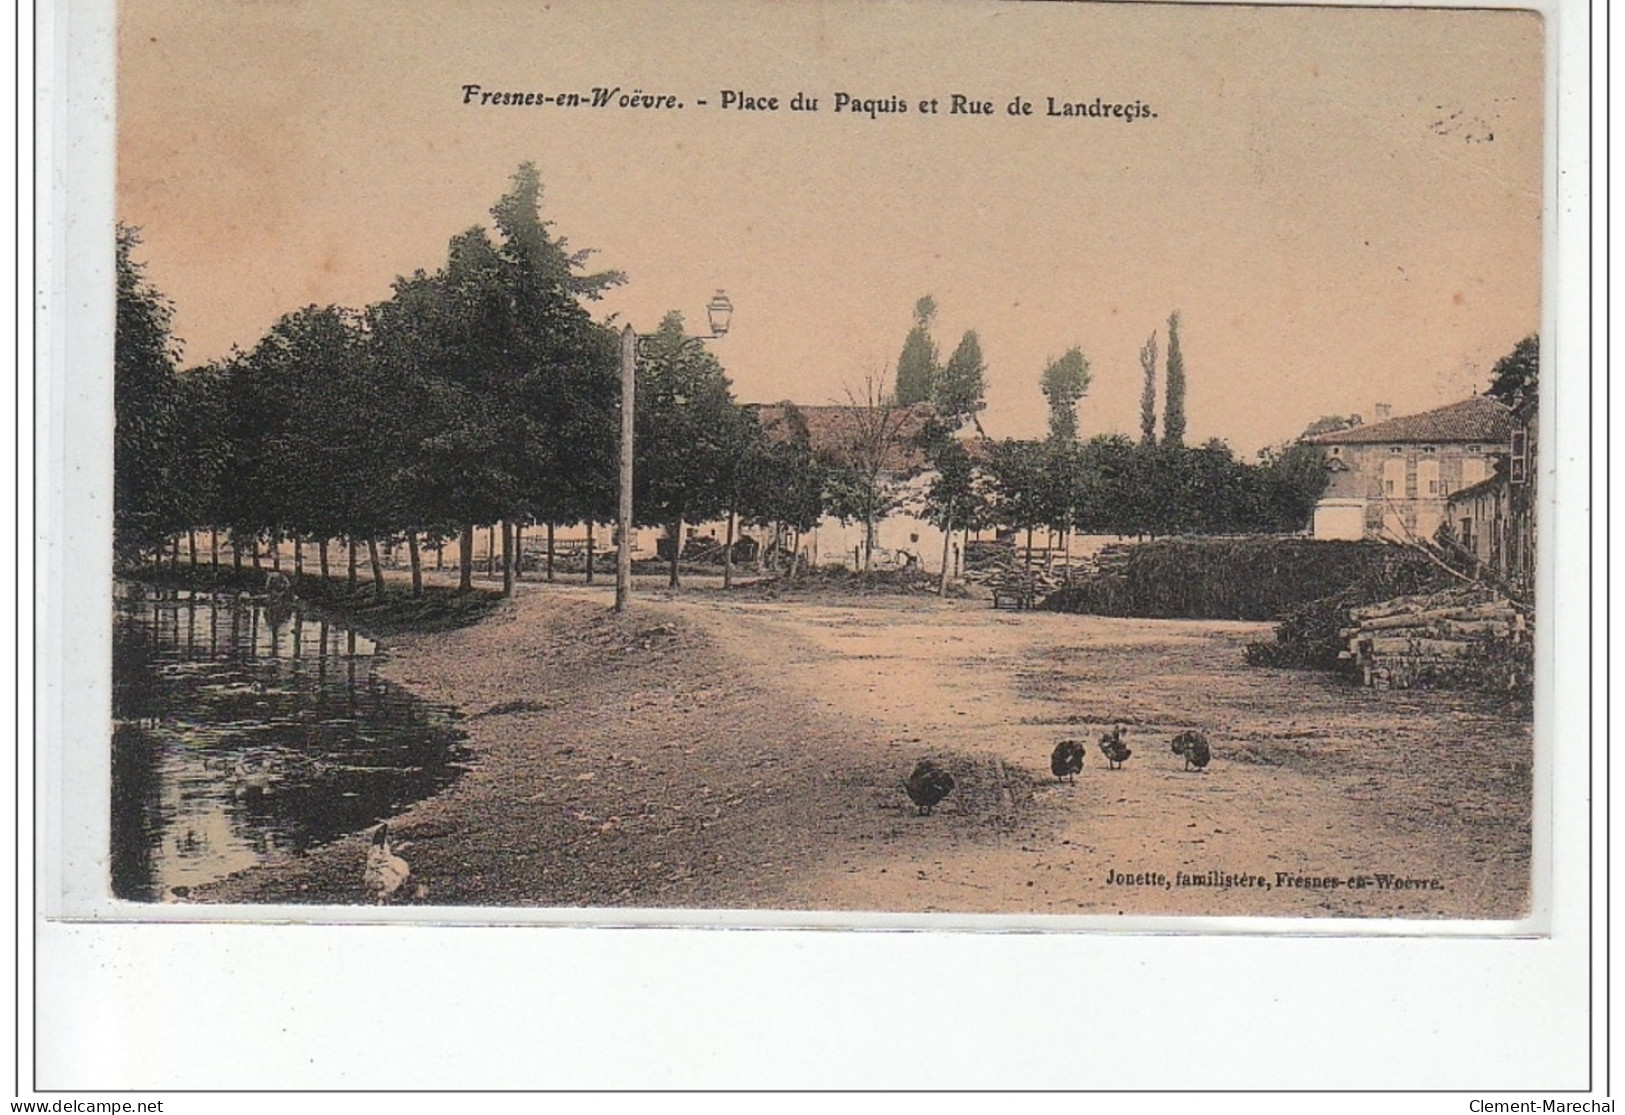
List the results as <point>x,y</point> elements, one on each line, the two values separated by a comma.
<point>868,545</point>
<point>321,556</point>
<point>377,567</point>
<point>491,550</point>
<point>728,555</point>
<point>507,558</point>
<point>519,551</point>
<point>236,553</point>
<point>465,559</point>
<point>1028,564</point>
<point>298,556</point>
<point>549,553</point>
<point>795,554</point>
<point>191,542</point>
<point>417,562</point>
<point>947,536</point>
<point>276,554</point>
<point>214,547</point>
<point>676,549</point>
<point>439,554</point>
<point>352,564</point>
<point>255,553</point>
<point>589,553</point>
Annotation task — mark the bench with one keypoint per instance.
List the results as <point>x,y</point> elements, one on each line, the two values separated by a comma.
<point>1019,594</point>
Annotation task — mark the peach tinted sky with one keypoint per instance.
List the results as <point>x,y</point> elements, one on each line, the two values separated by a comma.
<point>1343,204</point>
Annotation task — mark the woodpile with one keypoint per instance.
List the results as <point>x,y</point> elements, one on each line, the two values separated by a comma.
<point>1417,640</point>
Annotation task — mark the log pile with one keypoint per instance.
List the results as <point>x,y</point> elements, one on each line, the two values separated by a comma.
<point>1418,640</point>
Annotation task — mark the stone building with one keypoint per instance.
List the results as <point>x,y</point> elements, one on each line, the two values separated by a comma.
<point>1393,478</point>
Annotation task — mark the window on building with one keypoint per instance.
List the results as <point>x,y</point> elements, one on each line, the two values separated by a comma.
<point>1393,477</point>
<point>1427,479</point>
<point>1520,464</point>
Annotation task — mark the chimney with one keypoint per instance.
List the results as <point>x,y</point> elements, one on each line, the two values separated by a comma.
<point>1384,412</point>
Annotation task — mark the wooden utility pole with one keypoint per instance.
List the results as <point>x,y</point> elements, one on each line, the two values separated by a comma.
<point>623,544</point>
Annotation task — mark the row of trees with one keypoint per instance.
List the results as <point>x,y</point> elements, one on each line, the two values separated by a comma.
<point>1109,484</point>
<point>483,392</point>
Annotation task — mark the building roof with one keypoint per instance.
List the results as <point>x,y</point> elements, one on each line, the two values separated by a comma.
<point>1480,418</point>
<point>842,432</point>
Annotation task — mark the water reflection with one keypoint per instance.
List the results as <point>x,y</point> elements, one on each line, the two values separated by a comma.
<point>242,733</point>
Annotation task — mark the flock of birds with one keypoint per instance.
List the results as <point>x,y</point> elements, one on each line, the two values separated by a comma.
<point>386,875</point>
<point>929,783</point>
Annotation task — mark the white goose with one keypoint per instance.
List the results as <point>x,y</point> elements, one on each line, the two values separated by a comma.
<point>386,872</point>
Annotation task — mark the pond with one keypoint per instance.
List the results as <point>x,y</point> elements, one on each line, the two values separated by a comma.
<point>243,733</point>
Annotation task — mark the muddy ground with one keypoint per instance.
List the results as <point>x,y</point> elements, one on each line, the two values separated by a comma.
<point>744,752</point>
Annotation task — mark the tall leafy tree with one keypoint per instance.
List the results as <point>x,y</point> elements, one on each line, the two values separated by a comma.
<point>1173,415</point>
<point>959,394</point>
<point>782,482</point>
<point>145,452</point>
<point>1148,394</point>
<point>514,384</point>
<point>1021,486</point>
<point>954,500</point>
<point>688,438</point>
<point>1518,372</point>
<point>917,367</point>
<point>1065,381</point>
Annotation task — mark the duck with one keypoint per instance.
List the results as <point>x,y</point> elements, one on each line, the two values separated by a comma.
<point>1193,746</point>
<point>386,872</point>
<point>1112,746</point>
<point>1066,760</point>
<point>928,785</point>
<point>252,774</point>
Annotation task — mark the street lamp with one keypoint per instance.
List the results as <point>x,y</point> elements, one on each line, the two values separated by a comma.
<point>719,312</point>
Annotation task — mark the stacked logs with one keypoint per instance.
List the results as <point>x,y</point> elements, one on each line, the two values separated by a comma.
<point>1417,640</point>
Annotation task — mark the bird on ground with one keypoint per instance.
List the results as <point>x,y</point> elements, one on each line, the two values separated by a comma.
<point>386,872</point>
<point>1112,746</point>
<point>1193,745</point>
<point>928,785</point>
<point>1067,759</point>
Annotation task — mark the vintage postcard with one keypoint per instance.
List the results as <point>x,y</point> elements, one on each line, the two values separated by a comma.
<point>1042,460</point>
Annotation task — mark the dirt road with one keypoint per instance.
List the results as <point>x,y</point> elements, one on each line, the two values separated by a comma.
<point>738,751</point>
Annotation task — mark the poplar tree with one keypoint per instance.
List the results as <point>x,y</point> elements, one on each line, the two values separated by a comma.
<point>917,368</point>
<point>1148,396</point>
<point>1173,417</point>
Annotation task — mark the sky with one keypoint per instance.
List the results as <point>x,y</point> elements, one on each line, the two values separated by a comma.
<point>1343,205</point>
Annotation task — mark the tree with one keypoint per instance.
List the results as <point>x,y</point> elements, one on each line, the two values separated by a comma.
<point>1064,382</point>
<point>782,480</point>
<point>1173,416</point>
<point>511,384</point>
<point>1517,374</point>
<point>959,392</point>
<point>859,483</point>
<point>954,500</point>
<point>145,452</point>
<point>917,367</point>
<point>1021,486</point>
<point>1148,395</point>
<point>689,435</point>
<point>202,417</point>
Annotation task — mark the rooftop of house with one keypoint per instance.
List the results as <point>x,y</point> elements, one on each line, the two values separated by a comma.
<point>1478,419</point>
<point>845,433</point>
